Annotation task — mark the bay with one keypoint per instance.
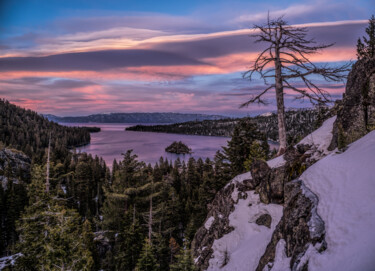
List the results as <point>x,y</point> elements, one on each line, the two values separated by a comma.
<point>113,140</point>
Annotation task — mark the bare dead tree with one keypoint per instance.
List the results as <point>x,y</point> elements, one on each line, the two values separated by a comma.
<point>285,64</point>
<point>48,163</point>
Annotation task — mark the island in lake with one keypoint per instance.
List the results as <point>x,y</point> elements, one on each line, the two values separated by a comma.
<point>178,148</point>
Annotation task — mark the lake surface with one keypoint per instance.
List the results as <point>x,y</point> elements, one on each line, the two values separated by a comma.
<point>113,140</point>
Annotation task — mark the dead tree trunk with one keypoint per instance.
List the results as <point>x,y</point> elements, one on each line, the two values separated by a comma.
<point>280,98</point>
<point>284,64</point>
<point>48,162</point>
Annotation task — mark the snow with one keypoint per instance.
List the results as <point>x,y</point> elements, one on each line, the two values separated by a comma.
<point>239,178</point>
<point>248,241</point>
<point>267,114</point>
<point>209,222</point>
<point>282,262</point>
<point>345,186</point>
<point>234,195</point>
<point>276,162</point>
<point>321,138</point>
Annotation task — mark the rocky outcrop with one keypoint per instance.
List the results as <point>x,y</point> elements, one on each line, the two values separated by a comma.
<point>14,165</point>
<point>299,226</point>
<point>217,223</point>
<point>264,220</point>
<point>356,112</point>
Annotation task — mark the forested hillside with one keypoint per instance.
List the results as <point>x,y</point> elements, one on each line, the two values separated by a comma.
<point>299,123</point>
<point>136,118</point>
<point>28,131</point>
<point>120,215</point>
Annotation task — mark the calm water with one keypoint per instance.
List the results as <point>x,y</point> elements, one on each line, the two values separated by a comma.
<point>113,140</point>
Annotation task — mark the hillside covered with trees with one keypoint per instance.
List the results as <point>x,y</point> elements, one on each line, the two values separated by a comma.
<point>299,123</point>
<point>92,218</point>
<point>29,132</point>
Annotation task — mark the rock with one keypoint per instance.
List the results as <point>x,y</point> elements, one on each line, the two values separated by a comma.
<point>299,226</point>
<point>270,182</point>
<point>264,220</point>
<point>14,165</point>
<point>356,112</point>
<point>219,209</point>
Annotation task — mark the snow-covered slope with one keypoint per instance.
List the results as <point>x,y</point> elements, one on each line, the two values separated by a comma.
<point>244,246</point>
<point>342,188</point>
<point>345,186</point>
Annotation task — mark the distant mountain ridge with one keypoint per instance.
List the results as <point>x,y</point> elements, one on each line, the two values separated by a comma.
<point>167,117</point>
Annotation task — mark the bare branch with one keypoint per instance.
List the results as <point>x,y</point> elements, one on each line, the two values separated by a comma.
<point>257,98</point>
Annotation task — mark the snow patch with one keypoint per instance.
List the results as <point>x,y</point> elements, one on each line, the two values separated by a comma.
<point>209,222</point>
<point>240,178</point>
<point>276,162</point>
<point>345,186</point>
<point>244,246</point>
<point>234,195</point>
<point>322,137</point>
<point>282,262</point>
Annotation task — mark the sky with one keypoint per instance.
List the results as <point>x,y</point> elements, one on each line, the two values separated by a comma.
<point>83,57</point>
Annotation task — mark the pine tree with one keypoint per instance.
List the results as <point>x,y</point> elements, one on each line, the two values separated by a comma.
<point>256,151</point>
<point>50,234</point>
<point>184,260</point>
<point>238,149</point>
<point>129,245</point>
<point>366,48</point>
<point>147,260</point>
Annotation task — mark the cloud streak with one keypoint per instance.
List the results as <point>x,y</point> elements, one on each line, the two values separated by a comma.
<point>150,62</point>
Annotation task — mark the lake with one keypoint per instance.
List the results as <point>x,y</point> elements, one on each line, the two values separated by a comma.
<point>113,140</point>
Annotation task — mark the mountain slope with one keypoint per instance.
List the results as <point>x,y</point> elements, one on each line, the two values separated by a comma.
<point>342,186</point>
<point>299,123</point>
<point>248,244</point>
<point>345,185</point>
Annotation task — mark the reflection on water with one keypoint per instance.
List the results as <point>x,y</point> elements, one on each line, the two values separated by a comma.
<point>114,140</point>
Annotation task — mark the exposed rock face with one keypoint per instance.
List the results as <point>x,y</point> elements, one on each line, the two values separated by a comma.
<point>264,220</point>
<point>356,112</point>
<point>270,182</point>
<point>299,226</point>
<point>219,210</point>
<point>14,165</point>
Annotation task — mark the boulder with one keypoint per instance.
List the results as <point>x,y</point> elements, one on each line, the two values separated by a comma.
<point>300,226</point>
<point>264,220</point>
<point>356,112</point>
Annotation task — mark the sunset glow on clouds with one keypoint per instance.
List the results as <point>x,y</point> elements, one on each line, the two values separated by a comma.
<point>175,57</point>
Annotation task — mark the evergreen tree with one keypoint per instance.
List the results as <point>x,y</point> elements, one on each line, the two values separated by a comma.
<point>184,260</point>
<point>366,48</point>
<point>50,235</point>
<point>129,245</point>
<point>238,149</point>
<point>147,260</point>
<point>256,151</point>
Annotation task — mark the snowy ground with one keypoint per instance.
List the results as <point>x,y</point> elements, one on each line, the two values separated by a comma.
<point>321,137</point>
<point>247,243</point>
<point>345,186</point>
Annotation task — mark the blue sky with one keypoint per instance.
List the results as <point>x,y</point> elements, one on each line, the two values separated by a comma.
<point>82,57</point>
